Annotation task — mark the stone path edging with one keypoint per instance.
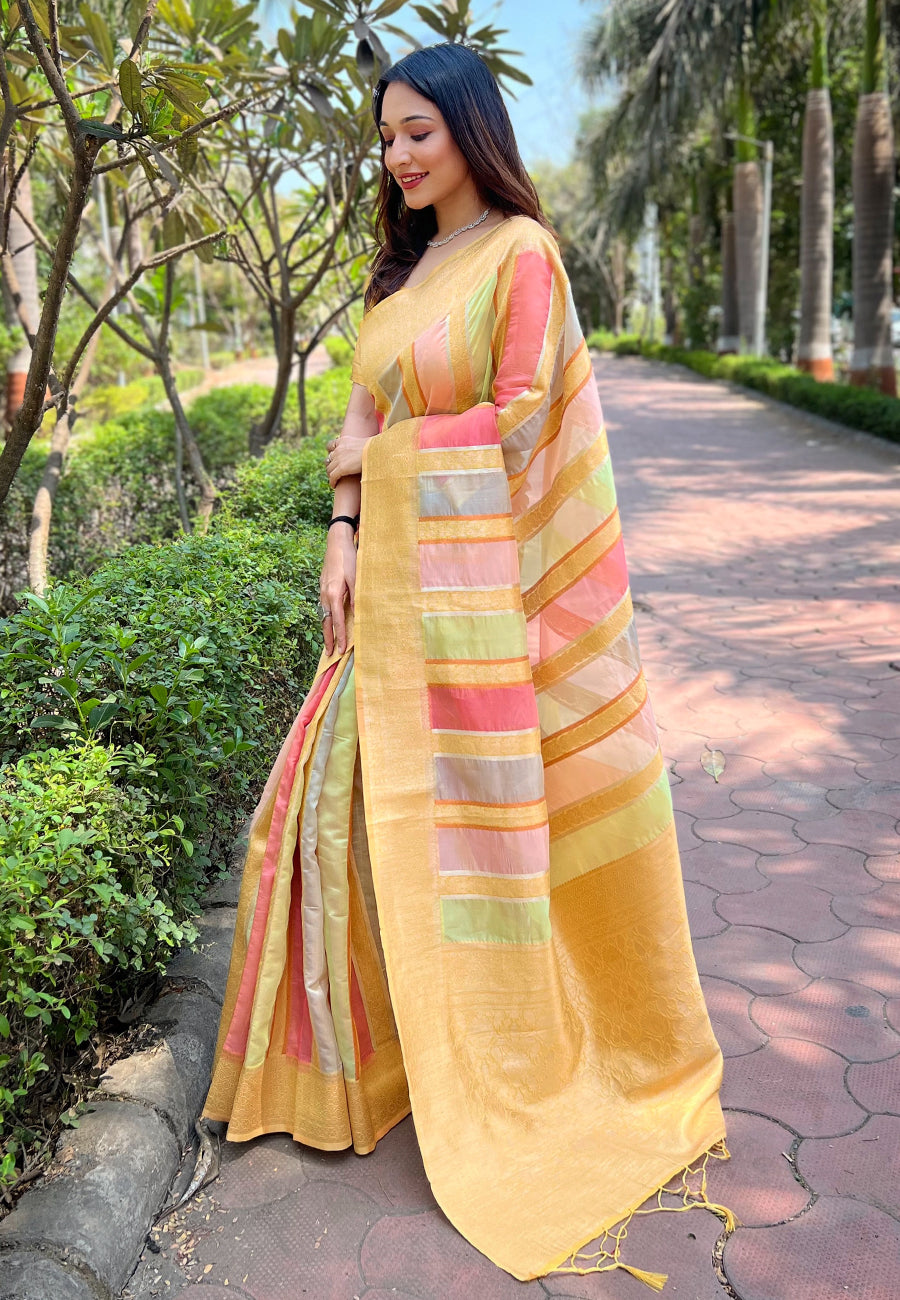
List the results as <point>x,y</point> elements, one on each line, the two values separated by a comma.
<point>78,1233</point>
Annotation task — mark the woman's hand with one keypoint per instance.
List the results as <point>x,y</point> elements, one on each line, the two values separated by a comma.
<point>337,585</point>
<point>344,457</point>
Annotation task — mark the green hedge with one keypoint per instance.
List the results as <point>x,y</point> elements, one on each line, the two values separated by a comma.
<point>140,711</point>
<point>858,408</point>
<point>118,488</point>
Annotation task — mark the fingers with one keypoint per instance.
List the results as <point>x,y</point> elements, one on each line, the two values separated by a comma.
<point>328,634</point>
<point>339,625</point>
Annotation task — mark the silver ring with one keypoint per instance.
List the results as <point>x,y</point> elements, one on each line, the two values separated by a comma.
<point>322,612</point>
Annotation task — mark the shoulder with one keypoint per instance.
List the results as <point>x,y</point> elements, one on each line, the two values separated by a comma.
<point>531,250</point>
<point>524,234</point>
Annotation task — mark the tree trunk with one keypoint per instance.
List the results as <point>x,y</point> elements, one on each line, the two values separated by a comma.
<point>42,510</point>
<point>29,415</point>
<point>303,358</point>
<point>872,362</point>
<point>261,434</point>
<point>22,250</point>
<point>816,237</point>
<point>729,337</point>
<point>617,259</point>
<point>208,493</point>
<point>748,247</point>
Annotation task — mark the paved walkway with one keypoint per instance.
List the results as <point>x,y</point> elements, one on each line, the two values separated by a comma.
<point>764,550</point>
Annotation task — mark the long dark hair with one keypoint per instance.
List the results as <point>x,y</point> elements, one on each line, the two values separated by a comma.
<point>465,91</point>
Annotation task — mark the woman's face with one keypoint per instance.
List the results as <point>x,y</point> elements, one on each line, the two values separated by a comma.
<point>420,152</point>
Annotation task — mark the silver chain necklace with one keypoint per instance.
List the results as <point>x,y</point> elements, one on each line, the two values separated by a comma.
<point>437,243</point>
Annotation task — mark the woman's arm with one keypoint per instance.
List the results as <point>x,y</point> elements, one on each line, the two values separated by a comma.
<point>344,465</point>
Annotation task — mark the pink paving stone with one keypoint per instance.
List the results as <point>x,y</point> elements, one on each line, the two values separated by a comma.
<point>880,770</point>
<point>876,722</point>
<point>885,868</point>
<point>679,1244</point>
<point>828,770</point>
<point>868,955</point>
<point>309,1239</point>
<point>726,868</point>
<point>749,955</point>
<point>798,910</point>
<point>728,1005</point>
<point>863,1164</point>
<point>257,1172</point>
<point>757,1183</point>
<point>791,798</point>
<point>876,1085</point>
<point>874,796</point>
<point>839,1249</point>
<point>855,829</point>
<point>841,1015</point>
<point>700,796</point>
<point>684,826</point>
<point>881,908</point>
<point>701,913</point>
<point>392,1174</point>
<point>796,1083</point>
<point>831,867</point>
<point>425,1254</point>
<point>762,831</point>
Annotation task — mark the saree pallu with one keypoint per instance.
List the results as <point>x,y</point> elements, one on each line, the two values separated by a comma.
<point>462,888</point>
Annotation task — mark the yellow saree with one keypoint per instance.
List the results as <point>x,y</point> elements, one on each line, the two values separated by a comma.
<point>463,876</point>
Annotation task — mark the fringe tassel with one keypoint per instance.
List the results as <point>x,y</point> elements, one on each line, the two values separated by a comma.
<point>693,1196</point>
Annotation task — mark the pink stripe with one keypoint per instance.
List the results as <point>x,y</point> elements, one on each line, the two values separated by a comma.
<point>431,363</point>
<point>529,310</point>
<point>483,708</point>
<point>476,427</point>
<point>468,564</point>
<point>236,1041</point>
<point>467,850</point>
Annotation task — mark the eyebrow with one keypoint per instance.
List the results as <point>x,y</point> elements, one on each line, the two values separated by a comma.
<point>413,117</point>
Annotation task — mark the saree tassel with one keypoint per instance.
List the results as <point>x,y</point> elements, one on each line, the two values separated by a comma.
<point>693,1197</point>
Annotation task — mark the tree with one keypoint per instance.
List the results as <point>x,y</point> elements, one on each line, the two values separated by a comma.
<point>872,362</point>
<point>817,212</point>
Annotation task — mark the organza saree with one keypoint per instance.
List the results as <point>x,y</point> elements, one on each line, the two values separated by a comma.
<point>462,888</point>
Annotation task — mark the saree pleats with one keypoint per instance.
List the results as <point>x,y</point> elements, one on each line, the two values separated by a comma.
<point>307,1043</point>
<point>501,844</point>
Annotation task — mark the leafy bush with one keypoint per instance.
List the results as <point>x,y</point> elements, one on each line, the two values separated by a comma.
<point>326,401</point>
<point>287,488</point>
<point>339,350</point>
<point>199,651</point>
<point>82,855</point>
<point>140,712</point>
<point>858,408</point>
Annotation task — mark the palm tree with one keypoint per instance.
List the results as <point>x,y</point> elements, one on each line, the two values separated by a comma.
<point>817,210</point>
<point>748,213</point>
<point>872,362</point>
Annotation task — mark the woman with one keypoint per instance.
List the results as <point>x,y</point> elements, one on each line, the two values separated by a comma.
<point>462,886</point>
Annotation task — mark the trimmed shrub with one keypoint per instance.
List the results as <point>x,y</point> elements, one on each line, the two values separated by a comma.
<point>82,855</point>
<point>140,713</point>
<point>858,408</point>
<point>339,349</point>
<point>284,490</point>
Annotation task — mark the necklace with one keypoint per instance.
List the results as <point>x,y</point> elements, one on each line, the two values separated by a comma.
<point>436,243</point>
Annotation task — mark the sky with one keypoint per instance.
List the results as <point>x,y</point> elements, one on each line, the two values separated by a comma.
<point>545,115</point>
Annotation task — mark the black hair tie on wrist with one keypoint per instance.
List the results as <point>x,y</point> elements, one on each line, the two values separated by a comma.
<point>346,519</point>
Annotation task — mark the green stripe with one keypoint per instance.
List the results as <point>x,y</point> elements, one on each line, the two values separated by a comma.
<point>599,489</point>
<point>475,636</point>
<point>495,920</point>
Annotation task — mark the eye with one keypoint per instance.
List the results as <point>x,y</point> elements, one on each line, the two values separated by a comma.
<point>387,143</point>
<point>419,138</point>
